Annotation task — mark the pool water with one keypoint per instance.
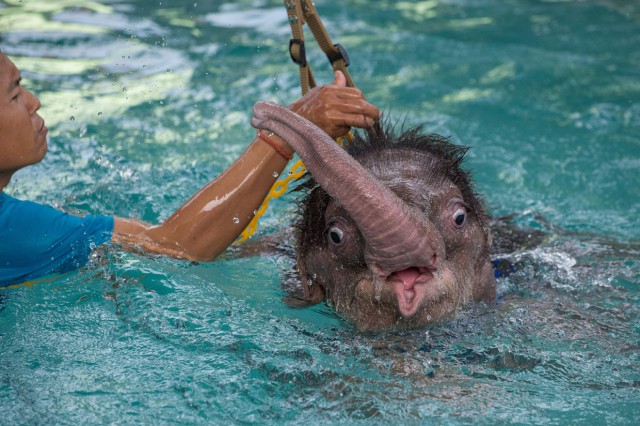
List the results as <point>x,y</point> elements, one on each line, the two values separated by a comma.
<point>148,100</point>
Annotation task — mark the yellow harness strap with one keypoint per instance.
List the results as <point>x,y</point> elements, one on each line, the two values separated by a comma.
<point>299,12</point>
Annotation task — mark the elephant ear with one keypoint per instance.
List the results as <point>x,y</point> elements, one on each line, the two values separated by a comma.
<point>484,289</point>
<point>299,294</point>
<point>313,291</point>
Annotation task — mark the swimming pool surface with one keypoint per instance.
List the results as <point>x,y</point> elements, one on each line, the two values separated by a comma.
<point>148,100</point>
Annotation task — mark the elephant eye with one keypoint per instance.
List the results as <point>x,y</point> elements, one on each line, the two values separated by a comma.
<point>336,235</point>
<point>459,216</point>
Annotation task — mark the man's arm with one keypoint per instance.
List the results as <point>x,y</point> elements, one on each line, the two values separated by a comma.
<point>205,225</point>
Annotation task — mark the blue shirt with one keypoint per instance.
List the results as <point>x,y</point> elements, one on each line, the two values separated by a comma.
<point>37,240</point>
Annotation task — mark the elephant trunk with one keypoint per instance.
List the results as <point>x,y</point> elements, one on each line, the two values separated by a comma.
<point>397,235</point>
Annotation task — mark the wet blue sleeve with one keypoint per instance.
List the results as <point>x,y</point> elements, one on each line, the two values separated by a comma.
<point>37,240</point>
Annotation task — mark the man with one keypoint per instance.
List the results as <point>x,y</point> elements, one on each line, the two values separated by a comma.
<point>36,240</point>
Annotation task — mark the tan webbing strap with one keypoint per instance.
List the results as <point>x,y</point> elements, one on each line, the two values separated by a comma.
<point>335,52</point>
<point>299,12</point>
<point>296,45</point>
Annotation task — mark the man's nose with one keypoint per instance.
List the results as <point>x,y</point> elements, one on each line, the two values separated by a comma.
<point>32,102</point>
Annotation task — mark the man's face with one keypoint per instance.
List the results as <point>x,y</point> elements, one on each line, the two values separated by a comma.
<point>23,135</point>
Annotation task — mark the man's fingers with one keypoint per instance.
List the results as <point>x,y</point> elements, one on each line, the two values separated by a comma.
<point>339,79</point>
<point>370,122</point>
<point>358,109</point>
<point>353,120</point>
<point>363,122</point>
<point>371,111</point>
<point>351,100</point>
<point>348,92</point>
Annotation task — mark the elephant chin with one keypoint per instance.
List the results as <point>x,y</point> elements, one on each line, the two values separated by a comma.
<point>413,296</point>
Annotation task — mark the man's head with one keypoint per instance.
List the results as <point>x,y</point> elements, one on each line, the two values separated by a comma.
<point>23,135</point>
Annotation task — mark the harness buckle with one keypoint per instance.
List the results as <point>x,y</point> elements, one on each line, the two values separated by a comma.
<point>342,54</point>
<point>302,61</point>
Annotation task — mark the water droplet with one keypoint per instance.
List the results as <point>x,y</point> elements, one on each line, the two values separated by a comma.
<point>236,220</point>
<point>377,286</point>
<point>100,113</point>
<point>72,118</point>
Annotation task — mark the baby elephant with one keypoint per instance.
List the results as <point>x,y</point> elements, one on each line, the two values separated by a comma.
<point>391,233</point>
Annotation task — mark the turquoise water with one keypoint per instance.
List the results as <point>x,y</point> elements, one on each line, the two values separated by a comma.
<point>148,100</point>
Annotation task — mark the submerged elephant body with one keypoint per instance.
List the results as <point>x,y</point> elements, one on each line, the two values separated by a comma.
<point>391,232</point>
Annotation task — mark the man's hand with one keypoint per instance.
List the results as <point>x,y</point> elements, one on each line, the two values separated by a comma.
<point>335,108</point>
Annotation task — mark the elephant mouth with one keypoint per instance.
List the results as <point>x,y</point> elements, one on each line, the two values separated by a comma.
<point>411,287</point>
